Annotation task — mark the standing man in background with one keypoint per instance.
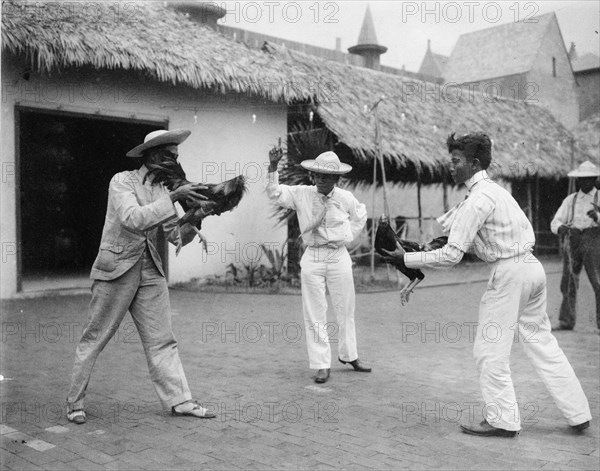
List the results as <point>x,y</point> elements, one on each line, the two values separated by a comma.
<point>577,222</point>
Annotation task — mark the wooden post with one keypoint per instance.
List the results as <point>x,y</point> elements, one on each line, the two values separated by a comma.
<point>385,203</point>
<point>537,203</point>
<point>386,207</point>
<point>529,201</point>
<point>373,219</point>
<point>572,186</point>
<point>419,208</point>
<point>445,195</point>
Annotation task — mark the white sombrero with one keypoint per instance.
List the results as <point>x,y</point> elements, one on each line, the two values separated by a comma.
<point>160,138</point>
<point>586,169</point>
<point>327,162</point>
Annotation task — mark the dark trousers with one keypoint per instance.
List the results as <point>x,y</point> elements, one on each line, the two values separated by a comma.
<point>582,250</point>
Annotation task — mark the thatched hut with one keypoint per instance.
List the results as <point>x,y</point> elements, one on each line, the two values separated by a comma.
<point>84,82</point>
<point>415,118</point>
<point>531,149</point>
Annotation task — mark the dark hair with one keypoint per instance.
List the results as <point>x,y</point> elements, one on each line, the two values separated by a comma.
<point>475,146</point>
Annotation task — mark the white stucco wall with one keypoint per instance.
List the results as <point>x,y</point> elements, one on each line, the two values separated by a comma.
<point>226,140</point>
<point>8,213</point>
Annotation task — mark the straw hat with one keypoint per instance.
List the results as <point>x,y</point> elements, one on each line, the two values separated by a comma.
<point>327,162</point>
<point>160,138</point>
<point>586,169</point>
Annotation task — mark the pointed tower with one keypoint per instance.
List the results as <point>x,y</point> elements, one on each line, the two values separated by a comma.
<point>367,46</point>
<point>433,64</point>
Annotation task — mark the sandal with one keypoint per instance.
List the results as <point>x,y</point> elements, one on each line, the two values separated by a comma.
<point>77,416</point>
<point>191,408</point>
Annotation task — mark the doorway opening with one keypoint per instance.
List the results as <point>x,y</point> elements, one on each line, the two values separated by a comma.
<point>66,161</point>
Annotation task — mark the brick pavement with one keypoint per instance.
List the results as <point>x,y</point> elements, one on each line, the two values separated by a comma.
<point>245,358</point>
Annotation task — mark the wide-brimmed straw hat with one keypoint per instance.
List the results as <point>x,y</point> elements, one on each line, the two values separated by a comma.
<point>586,169</point>
<point>327,162</point>
<point>160,138</point>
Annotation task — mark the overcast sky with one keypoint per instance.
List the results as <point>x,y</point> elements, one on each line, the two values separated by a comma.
<point>405,26</point>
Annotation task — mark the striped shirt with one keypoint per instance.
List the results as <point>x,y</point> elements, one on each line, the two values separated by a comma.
<point>489,223</point>
<point>578,217</point>
<point>333,219</point>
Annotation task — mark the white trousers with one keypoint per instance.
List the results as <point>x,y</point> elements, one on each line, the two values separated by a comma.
<point>332,268</point>
<point>515,304</point>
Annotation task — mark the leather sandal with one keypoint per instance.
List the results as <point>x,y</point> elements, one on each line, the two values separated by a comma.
<point>77,416</point>
<point>192,409</point>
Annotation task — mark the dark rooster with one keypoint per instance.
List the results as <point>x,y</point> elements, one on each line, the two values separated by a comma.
<point>221,196</point>
<point>385,238</point>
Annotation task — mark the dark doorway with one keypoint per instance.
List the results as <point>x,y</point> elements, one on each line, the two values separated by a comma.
<point>546,197</point>
<point>66,162</point>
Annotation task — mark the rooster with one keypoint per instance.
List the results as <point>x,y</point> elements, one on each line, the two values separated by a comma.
<point>386,238</point>
<point>222,197</point>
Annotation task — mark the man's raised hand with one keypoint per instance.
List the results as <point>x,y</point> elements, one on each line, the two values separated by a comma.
<point>275,155</point>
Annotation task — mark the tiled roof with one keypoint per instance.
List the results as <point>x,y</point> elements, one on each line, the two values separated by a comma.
<point>499,51</point>
<point>586,62</point>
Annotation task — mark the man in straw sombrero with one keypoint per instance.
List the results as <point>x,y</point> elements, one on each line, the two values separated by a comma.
<point>577,221</point>
<point>330,218</point>
<point>128,276</point>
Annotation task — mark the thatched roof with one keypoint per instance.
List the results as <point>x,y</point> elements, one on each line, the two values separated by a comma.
<point>153,39</point>
<point>587,134</point>
<point>414,126</point>
<point>142,36</point>
<point>499,51</point>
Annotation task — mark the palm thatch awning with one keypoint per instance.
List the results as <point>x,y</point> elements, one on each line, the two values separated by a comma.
<point>415,117</point>
<point>144,36</point>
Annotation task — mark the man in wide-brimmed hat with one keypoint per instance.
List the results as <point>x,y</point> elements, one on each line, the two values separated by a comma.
<point>330,218</point>
<point>577,221</point>
<point>128,276</point>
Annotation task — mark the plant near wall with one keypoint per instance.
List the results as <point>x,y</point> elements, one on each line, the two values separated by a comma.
<point>277,259</point>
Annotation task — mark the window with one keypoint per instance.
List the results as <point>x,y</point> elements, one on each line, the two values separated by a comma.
<point>554,67</point>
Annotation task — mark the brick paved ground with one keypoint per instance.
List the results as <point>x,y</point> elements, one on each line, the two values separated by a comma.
<point>245,358</point>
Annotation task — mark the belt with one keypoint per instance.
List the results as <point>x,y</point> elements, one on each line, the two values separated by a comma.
<point>521,256</point>
<point>325,246</point>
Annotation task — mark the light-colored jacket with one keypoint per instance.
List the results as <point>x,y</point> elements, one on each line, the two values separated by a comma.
<point>134,213</point>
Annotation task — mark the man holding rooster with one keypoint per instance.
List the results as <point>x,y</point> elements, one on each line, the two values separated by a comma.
<point>128,275</point>
<point>491,224</point>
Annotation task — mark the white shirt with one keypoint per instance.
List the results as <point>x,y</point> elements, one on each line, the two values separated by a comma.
<point>489,223</point>
<point>579,220</point>
<point>333,219</point>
